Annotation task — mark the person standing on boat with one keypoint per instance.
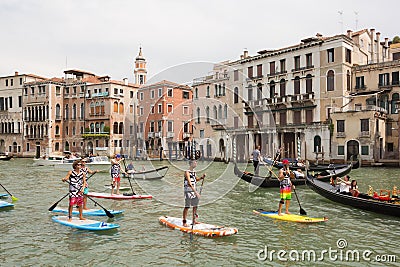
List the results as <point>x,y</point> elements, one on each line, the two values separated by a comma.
<point>191,195</point>
<point>344,185</point>
<point>116,173</point>
<point>256,160</point>
<point>86,170</point>
<point>77,183</point>
<point>285,187</point>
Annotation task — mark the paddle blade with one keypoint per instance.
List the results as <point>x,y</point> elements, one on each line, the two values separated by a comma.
<point>303,212</point>
<point>109,214</point>
<point>53,207</point>
<point>14,198</point>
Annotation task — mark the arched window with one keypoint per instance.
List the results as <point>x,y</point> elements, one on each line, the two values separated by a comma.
<point>226,111</point>
<point>102,127</point>
<point>208,91</point>
<point>198,115</point>
<point>297,85</point>
<point>97,107</point>
<point>395,104</point>
<point>115,128</point>
<point>215,113</point>
<point>66,111</point>
<point>208,114</point>
<point>272,89</point>
<point>102,108</point>
<point>121,108</point>
<point>259,91</point>
<point>250,93</point>
<point>121,128</point>
<point>92,127</point>
<point>57,130</point>
<point>196,93</point>
<point>309,86</point>
<point>57,146</point>
<point>82,111</point>
<point>58,112</point>
<point>317,144</point>
<point>74,112</point>
<point>220,111</point>
<point>282,87</point>
<point>236,95</point>
<point>330,81</point>
<point>116,106</point>
<point>92,106</point>
<point>223,89</point>
<point>97,127</point>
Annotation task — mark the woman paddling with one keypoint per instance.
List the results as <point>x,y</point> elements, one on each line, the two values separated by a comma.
<point>77,183</point>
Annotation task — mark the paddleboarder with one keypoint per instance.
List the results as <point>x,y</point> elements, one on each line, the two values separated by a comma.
<point>285,187</point>
<point>190,192</point>
<point>116,172</point>
<point>77,183</point>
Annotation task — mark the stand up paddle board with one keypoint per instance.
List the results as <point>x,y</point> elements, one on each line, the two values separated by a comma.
<point>202,229</point>
<point>115,196</point>
<point>121,188</point>
<point>4,204</point>
<point>87,224</point>
<point>289,217</point>
<point>3,195</point>
<point>89,212</point>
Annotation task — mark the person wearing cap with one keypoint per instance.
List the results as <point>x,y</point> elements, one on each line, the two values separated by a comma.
<point>116,173</point>
<point>86,170</point>
<point>285,187</point>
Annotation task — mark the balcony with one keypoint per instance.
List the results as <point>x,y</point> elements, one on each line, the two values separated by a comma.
<point>87,135</point>
<point>170,135</point>
<point>186,135</point>
<point>218,125</point>
<point>150,135</point>
<point>34,137</point>
<point>277,73</point>
<point>58,118</point>
<point>341,135</point>
<point>365,134</point>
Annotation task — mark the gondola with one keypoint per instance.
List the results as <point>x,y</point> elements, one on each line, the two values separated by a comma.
<point>317,167</point>
<point>363,201</point>
<point>155,174</point>
<point>272,181</point>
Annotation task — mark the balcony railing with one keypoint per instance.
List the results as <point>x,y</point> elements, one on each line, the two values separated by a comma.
<point>365,134</point>
<point>341,134</point>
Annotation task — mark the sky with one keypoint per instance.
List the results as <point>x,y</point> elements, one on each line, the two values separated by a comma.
<point>46,37</point>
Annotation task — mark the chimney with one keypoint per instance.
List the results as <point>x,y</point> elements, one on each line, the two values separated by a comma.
<point>241,56</point>
<point>349,33</point>
<point>378,47</point>
<point>387,48</point>
<point>372,45</point>
<point>16,73</point>
<point>245,53</point>
<point>125,81</point>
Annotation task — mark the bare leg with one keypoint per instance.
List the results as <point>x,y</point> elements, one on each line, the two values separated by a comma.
<point>112,187</point>
<point>118,184</point>
<point>80,213</point>
<point>84,202</point>
<point>185,211</point>
<point>287,206</point>
<point>70,213</point>
<point>280,208</point>
<point>194,215</point>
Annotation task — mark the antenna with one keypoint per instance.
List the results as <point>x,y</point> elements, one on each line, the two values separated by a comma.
<point>356,13</point>
<point>341,19</point>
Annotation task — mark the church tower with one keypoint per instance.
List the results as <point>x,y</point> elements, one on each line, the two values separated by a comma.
<point>140,71</point>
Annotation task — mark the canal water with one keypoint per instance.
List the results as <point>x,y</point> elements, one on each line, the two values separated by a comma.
<point>30,238</point>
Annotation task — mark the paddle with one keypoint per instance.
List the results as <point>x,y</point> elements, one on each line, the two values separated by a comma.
<point>109,214</point>
<point>129,179</point>
<point>195,214</point>
<point>302,211</point>
<point>12,197</point>
<point>55,204</point>
<point>273,162</point>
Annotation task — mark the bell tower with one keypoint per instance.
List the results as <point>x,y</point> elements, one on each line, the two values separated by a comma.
<point>140,71</point>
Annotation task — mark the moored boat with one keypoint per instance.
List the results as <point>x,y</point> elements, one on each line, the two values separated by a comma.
<point>101,163</point>
<point>272,181</point>
<point>5,157</point>
<point>365,202</point>
<point>311,167</point>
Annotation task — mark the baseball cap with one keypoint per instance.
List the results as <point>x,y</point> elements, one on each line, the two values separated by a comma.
<point>285,161</point>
